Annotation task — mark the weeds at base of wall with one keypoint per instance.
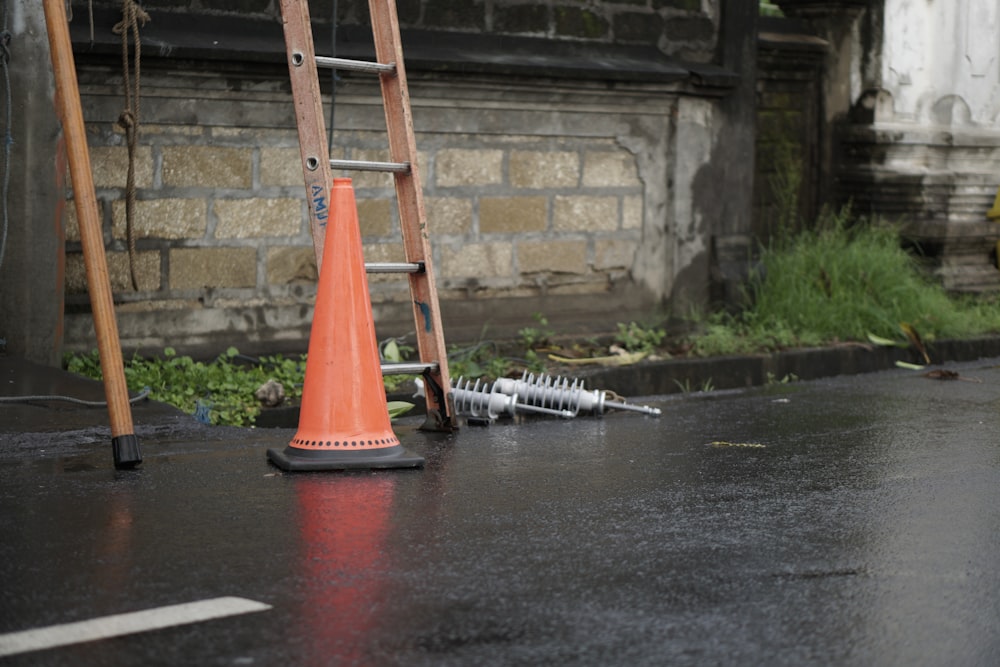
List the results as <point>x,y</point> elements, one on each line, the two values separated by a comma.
<point>845,280</point>
<point>220,392</point>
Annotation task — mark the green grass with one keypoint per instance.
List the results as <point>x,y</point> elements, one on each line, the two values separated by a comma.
<point>842,282</point>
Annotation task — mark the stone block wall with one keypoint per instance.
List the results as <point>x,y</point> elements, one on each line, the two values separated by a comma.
<point>524,216</point>
<point>557,180</point>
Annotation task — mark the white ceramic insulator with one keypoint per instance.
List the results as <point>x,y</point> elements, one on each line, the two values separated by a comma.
<point>556,393</point>
<point>478,400</point>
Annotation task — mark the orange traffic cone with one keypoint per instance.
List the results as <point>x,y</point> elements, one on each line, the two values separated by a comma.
<point>344,418</point>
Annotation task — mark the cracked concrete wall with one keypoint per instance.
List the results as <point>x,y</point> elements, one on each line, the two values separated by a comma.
<point>653,144</point>
<point>693,193</point>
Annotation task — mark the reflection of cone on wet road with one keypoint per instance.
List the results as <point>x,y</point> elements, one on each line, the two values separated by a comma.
<point>344,419</point>
<point>344,559</point>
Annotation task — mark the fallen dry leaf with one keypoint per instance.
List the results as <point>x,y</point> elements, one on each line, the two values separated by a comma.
<point>942,374</point>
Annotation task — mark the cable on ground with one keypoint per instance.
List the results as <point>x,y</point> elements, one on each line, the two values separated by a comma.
<point>142,395</point>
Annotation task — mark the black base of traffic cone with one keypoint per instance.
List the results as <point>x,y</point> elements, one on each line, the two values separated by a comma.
<point>296,458</point>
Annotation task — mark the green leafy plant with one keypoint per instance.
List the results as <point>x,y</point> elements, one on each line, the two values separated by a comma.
<point>480,360</point>
<point>399,408</point>
<point>533,338</point>
<point>686,388</point>
<point>788,378</point>
<point>394,351</point>
<point>486,359</point>
<point>636,338</point>
<point>769,9</point>
<point>221,391</point>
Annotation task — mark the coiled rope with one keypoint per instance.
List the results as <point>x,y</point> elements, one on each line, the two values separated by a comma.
<point>132,16</point>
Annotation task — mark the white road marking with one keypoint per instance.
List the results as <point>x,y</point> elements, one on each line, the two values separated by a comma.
<point>125,624</point>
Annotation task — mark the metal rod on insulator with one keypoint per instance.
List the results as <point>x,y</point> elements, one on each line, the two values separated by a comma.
<point>567,394</point>
<point>480,401</point>
<point>553,393</point>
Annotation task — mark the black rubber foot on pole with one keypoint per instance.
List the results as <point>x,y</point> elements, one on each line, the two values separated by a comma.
<point>296,458</point>
<point>126,451</point>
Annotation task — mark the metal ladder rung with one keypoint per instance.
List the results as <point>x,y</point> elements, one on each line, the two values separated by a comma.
<point>414,368</point>
<point>394,267</point>
<point>355,65</point>
<point>364,165</point>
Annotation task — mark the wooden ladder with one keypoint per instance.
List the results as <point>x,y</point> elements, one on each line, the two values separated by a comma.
<point>303,65</point>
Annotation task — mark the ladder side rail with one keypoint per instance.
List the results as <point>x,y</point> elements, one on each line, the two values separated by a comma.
<point>413,222</point>
<point>308,103</point>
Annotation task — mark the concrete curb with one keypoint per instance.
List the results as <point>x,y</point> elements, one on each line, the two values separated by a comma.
<point>677,375</point>
<point>672,376</point>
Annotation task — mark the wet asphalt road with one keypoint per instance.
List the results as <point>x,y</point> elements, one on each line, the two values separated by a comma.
<point>851,521</point>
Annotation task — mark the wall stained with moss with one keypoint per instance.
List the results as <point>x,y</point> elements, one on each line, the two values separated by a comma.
<point>572,196</point>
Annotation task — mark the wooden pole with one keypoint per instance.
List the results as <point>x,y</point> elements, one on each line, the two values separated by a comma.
<point>125,444</point>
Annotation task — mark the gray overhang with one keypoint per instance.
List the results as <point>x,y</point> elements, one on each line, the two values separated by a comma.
<point>208,37</point>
